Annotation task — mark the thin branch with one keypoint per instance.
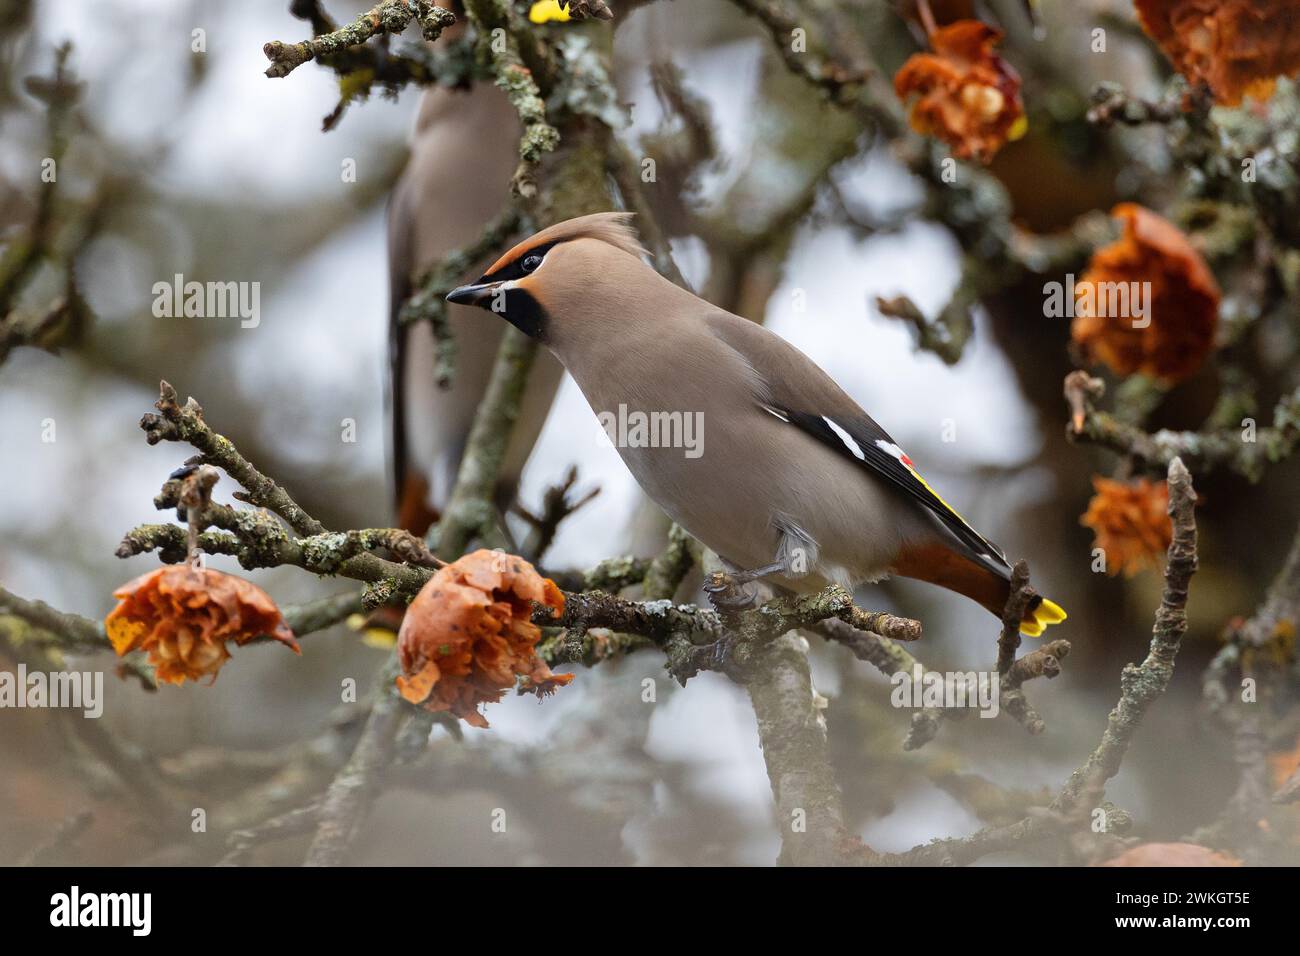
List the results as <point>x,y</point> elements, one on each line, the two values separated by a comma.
<point>1012,616</point>
<point>471,511</point>
<point>557,505</point>
<point>343,808</point>
<point>1233,448</point>
<point>388,16</point>
<point>1142,685</point>
<point>841,84</point>
<point>75,632</point>
<point>945,335</point>
<point>185,423</point>
<point>293,823</point>
<point>520,86</point>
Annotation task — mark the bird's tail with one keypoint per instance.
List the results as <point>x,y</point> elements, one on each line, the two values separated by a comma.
<point>940,564</point>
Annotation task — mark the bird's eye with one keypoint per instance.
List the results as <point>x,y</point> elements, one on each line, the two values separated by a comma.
<point>530,263</point>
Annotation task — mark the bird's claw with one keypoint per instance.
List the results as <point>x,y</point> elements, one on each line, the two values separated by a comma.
<point>730,593</point>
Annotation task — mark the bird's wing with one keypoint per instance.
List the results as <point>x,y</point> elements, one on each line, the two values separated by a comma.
<point>794,389</point>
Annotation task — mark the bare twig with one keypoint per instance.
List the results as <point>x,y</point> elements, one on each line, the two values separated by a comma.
<point>557,505</point>
<point>284,825</point>
<point>945,335</point>
<point>1044,661</point>
<point>1012,616</point>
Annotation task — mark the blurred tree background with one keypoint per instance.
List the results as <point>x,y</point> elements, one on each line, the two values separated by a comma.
<point>905,242</point>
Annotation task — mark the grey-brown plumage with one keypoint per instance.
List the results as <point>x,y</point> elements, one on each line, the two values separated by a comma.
<point>456,180</point>
<point>790,471</point>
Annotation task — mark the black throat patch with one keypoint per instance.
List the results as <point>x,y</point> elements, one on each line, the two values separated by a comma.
<point>522,311</point>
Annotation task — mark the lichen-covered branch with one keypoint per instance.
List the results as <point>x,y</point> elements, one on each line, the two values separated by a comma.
<point>43,625</point>
<point>471,511</point>
<point>697,639</point>
<point>1143,684</point>
<point>387,16</point>
<point>76,633</point>
<point>176,422</point>
<point>669,568</point>
<point>841,84</point>
<point>792,732</point>
<point>1246,450</point>
<point>258,541</point>
<point>520,85</point>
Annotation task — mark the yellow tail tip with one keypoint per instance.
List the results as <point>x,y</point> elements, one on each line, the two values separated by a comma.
<point>544,11</point>
<point>1045,615</point>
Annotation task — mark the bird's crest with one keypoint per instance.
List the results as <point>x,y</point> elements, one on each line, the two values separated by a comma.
<point>614,228</point>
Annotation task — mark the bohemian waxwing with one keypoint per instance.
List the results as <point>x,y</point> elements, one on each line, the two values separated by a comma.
<point>465,149</point>
<point>791,480</point>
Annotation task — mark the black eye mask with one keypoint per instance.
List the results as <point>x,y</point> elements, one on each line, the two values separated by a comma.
<point>515,269</point>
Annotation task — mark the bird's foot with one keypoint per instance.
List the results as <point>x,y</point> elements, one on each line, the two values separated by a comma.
<point>732,591</point>
<point>729,594</point>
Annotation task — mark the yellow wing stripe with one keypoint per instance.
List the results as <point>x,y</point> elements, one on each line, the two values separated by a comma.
<point>917,475</point>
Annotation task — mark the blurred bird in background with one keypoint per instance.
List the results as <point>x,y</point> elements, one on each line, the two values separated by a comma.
<point>464,151</point>
<point>791,481</point>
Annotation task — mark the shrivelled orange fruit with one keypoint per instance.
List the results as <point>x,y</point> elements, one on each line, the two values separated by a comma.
<point>182,616</point>
<point>1131,522</point>
<point>1147,302</point>
<point>1235,47</point>
<point>966,95</point>
<point>1172,854</point>
<point>468,635</point>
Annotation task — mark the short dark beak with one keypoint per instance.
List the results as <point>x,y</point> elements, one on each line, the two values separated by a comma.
<point>471,294</point>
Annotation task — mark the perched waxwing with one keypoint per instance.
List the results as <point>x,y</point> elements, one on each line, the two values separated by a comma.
<point>465,149</point>
<point>784,476</point>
